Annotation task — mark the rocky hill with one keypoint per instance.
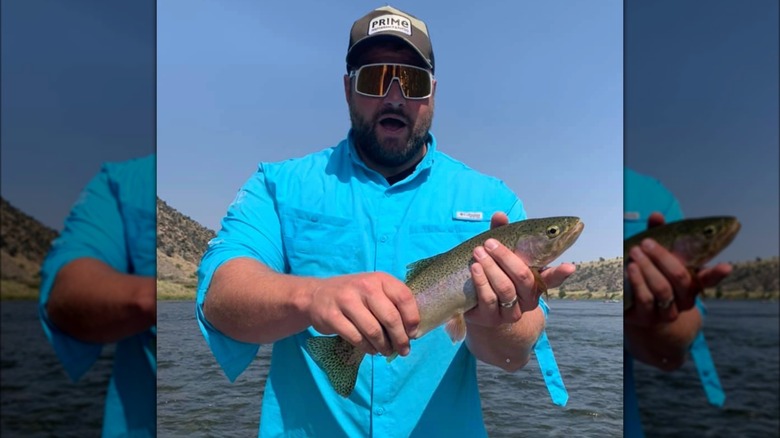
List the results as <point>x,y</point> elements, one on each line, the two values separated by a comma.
<point>602,279</point>
<point>181,242</point>
<point>24,243</point>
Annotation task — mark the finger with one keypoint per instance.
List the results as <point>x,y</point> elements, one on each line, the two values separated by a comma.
<point>711,277</point>
<point>657,283</point>
<point>388,315</point>
<point>675,272</point>
<point>486,298</point>
<point>499,263</point>
<point>400,295</point>
<point>644,302</point>
<point>508,265</point>
<point>554,277</point>
<point>369,327</point>
<point>499,219</point>
<point>342,326</point>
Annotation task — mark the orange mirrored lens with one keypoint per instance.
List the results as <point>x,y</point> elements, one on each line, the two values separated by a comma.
<point>375,80</point>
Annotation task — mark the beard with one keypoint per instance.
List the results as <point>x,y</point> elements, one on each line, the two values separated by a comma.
<point>391,152</point>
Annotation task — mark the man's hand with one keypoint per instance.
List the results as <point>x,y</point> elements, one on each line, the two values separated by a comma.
<point>373,311</point>
<point>500,276</point>
<point>658,276</point>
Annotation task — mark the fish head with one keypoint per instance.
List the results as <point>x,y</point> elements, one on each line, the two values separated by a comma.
<point>698,241</point>
<point>540,241</point>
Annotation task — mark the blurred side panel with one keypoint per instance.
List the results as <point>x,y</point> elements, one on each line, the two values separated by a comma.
<point>77,105</point>
<point>701,117</point>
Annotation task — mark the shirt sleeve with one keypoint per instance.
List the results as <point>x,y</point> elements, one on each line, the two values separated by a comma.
<point>93,229</point>
<point>250,229</point>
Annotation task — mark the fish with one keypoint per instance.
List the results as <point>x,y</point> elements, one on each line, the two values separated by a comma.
<point>444,290</point>
<point>696,241</point>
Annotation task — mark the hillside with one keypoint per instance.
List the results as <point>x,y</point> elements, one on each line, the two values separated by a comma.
<point>602,279</point>
<point>181,242</point>
<point>24,243</point>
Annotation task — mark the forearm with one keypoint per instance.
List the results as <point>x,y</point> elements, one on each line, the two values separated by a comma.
<point>252,303</point>
<point>664,346</point>
<point>507,346</point>
<point>92,302</point>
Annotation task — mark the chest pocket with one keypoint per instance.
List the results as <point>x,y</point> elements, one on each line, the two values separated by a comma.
<point>321,245</point>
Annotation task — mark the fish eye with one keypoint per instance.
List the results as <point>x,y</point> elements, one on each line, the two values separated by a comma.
<point>553,231</point>
<point>709,231</point>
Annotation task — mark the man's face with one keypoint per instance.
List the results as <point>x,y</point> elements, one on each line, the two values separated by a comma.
<point>389,131</point>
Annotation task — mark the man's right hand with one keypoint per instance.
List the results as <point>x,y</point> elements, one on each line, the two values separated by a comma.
<point>373,311</point>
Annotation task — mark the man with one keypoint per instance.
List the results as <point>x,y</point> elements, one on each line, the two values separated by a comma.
<point>665,322</point>
<point>320,245</point>
<point>98,287</point>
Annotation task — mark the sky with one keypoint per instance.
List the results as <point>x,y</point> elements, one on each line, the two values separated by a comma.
<point>77,91</point>
<point>529,92</point>
<point>702,111</point>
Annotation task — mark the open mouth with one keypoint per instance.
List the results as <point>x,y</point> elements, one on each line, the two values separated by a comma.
<point>392,122</point>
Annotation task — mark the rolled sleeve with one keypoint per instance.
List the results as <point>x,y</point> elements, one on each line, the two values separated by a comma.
<point>250,229</point>
<point>93,229</point>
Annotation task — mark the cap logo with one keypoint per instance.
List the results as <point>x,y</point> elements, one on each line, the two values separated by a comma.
<point>388,22</point>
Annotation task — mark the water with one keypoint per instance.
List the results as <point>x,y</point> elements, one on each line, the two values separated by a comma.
<point>196,399</point>
<point>37,397</point>
<point>744,339</point>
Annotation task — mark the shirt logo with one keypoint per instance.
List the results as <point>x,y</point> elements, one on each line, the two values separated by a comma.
<point>631,216</point>
<point>468,215</point>
<point>384,23</point>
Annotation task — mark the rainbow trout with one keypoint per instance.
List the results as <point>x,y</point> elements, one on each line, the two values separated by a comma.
<point>444,290</point>
<point>696,241</point>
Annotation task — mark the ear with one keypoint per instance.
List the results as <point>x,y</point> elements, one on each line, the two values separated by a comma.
<point>347,88</point>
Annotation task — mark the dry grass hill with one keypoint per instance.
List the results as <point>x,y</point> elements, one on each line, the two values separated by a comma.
<point>24,243</point>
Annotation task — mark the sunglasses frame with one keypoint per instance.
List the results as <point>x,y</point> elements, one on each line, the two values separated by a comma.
<point>354,74</point>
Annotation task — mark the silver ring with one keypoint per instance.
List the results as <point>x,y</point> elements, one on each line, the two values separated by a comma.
<point>509,304</point>
<point>663,305</point>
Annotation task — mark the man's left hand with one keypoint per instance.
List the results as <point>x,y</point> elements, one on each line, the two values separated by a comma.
<point>500,276</point>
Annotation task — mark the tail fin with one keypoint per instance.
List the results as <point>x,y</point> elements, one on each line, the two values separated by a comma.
<point>339,359</point>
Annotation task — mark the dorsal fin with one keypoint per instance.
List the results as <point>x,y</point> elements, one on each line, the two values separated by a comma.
<point>414,269</point>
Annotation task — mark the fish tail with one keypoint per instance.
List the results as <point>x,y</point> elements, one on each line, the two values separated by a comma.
<point>339,359</point>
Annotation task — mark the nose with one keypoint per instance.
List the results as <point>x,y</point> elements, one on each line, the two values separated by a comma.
<point>395,96</point>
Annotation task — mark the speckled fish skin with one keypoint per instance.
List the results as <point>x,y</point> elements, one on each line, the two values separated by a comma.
<point>443,287</point>
<point>695,241</point>
<point>444,290</point>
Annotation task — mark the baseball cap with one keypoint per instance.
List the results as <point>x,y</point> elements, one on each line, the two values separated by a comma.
<point>389,22</point>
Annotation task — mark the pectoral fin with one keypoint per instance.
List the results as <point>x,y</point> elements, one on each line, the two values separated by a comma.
<point>456,328</point>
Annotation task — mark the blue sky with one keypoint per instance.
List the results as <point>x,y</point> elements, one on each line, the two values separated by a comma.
<point>702,110</point>
<point>530,92</point>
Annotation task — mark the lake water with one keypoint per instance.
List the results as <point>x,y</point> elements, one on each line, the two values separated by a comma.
<point>37,398</point>
<point>744,339</point>
<point>196,399</point>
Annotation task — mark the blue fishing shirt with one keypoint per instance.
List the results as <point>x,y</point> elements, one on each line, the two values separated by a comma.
<point>328,214</point>
<point>114,221</point>
<point>644,195</point>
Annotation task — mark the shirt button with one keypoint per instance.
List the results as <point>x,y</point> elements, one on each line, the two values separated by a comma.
<point>383,239</point>
<point>549,372</point>
<point>314,218</point>
<point>380,411</point>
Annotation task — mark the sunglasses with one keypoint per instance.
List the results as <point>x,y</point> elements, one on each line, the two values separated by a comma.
<point>374,80</point>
